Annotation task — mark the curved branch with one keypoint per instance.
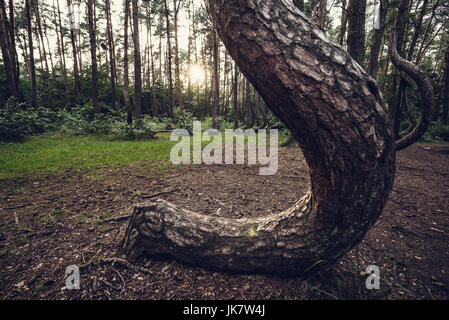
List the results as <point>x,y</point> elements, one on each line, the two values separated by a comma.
<point>335,111</point>
<point>422,81</point>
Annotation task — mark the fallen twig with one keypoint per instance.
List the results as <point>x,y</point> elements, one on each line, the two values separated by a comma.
<point>149,196</point>
<point>115,219</point>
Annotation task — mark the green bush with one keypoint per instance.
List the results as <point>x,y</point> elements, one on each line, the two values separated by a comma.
<point>143,129</point>
<point>439,132</point>
<point>18,120</point>
<point>83,121</point>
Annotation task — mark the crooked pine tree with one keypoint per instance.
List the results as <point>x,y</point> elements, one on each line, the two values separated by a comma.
<point>337,114</point>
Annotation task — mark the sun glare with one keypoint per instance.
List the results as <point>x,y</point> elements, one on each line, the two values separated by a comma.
<point>196,73</point>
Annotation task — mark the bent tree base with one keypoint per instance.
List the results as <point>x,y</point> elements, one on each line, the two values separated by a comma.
<point>334,110</point>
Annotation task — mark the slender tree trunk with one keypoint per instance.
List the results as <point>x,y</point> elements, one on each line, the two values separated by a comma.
<point>216,80</point>
<point>177,72</point>
<point>378,34</point>
<point>445,111</point>
<point>125,66</point>
<point>8,52</point>
<point>356,29</point>
<point>93,56</point>
<point>170,80</point>
<point>417,31</point>
<point>41,37</point>
<point>410,114</point>
<point>75,59</point>
<point>12,26</point>
<point>343,22</point>
<point>196,53</point>
<point>319,13</point>
<point>30,45</point>
<point>401,27</point>
<point>345,134</point>
<point>80,48</point>
<point>153,74</point>
<point>263,111</point>
<point>137,63</point>
<point>24,48</point>
<point>62,56</point>
<point>235,102</point>
<point>249,106</point>
<point>52,66</point>
<point>402,92</point>
<point>189,56</point>
<point>426,33</point>
<point>110,37</point>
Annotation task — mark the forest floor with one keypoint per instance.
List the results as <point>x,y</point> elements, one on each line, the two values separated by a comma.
<point>51,221</point>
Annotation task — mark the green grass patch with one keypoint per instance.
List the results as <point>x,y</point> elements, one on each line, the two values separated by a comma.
<point>58,153</point>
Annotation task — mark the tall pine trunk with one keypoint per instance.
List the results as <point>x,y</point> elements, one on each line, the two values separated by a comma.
<point>356,29</point>
<point>177,72</point>
<point>93,56</point>
<point>30,45</point>
<point>112,67</point>
<point>169,66</point>
<point>129,111</point>
<point>137,63</point>
<point>75,59</point>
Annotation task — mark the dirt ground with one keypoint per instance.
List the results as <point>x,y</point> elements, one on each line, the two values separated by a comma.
<point>49,223</point>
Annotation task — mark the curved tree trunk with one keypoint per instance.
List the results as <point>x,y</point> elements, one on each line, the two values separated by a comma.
<point>419,76</point>
<point>335,111</point>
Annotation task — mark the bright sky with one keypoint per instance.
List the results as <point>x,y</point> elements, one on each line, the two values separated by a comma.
<point>183,31</point>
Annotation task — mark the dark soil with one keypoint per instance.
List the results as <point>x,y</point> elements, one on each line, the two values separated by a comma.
<point>51,222</point>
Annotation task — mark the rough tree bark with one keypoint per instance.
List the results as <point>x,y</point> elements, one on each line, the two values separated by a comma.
<point>335,111</point>
<point>319,13</point>
<point>356,29</point>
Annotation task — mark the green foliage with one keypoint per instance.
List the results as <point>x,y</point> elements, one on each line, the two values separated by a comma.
<point>185,121</point>
<point>437,131</point>
<point>18,120</point>
<point>143,129</point>
<point>83,121</point>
